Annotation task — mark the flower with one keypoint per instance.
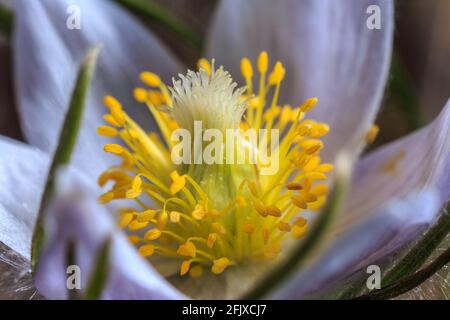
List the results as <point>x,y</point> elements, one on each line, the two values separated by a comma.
<point>216,215</point>
<point>326,53</point>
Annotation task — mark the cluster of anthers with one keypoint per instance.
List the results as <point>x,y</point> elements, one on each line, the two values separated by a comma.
<point>177,215</point>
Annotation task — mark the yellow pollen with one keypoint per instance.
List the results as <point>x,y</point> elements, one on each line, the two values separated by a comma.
<point>312,146</point>
<point>110,120</point>
<point>136,225</point>
<point>246,68</point>
<point>135,190</point>
<point>134,239</point>
<point>125,220</point>
<point>320,190</point>
<point>319,130</point>
<point>152,234</point>
<point>210,217</point>
<point>372,134</point>
<point>112,102</point>
<point>326,167</point>
<point>196,271</point>
<point>294,186</point>
<point>308,104</point>
<point>390,166</point>
<point>113,148</point>
<point>107,131</point>
<point>150,79</point>
<point>185,265</point>
<point>178,182</point>
<point>205,65</point>
<point>272,251</point>
<point>248,228</point>
<point>217,227</point>
<point>146,250</point>
<point>106,197</point>
<point>298,232</point>
<point>140,95</point>
<point>212,237</point>
<point>175,216</point>
<point>284,226</point>
<point>162,220</point>
<point>277,74</point>
<point>220,264</point>
<point>299,201</point>
<point>240,201</point>
<point>146,216</point>
<point>199,212</point>
<point>115,108</point>
<point>188,249</point>
<point>263,62</point>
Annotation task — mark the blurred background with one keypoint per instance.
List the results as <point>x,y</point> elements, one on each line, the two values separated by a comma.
<point>418,87</point>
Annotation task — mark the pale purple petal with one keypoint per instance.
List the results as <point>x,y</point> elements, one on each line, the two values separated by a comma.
<point>328,52</point>
<point>390,228</point>
<point>76,217</point>
<point>22,177</point>
<point>19,164</point>
<point>47,57</point>
<point>417,161</point>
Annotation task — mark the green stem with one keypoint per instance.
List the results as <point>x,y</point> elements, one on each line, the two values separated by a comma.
<point>99,275</point>
<point>66,144</point>
<point>149,9</point>
<point>412,261</point>
<point>312,240</point>
<point>409,282</point>
<point>419,254</point>
<point>6,21</point>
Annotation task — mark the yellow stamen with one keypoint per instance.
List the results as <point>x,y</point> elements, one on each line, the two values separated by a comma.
<point>140,95</point>
<point>278,74</point>
<point>115,108</point>
<point>113,148</point>
<point>263,62</point>
<point>205,65</point>
<point>211,217</point>
<point>372,134</point>
<point>178,182</point>
<point>152,234</point>
<point>146,216</point>
<point>136,225</point>
<point>196,271</point>
<point>135,190</point>
<point>188,249</point>
<point>109,119</point>
<point>150,79</point>
<point>107,131</point>
<point>220,265</point>
<point>185,265</point>
<point>146,250</point>
<point>175,216</point>
<point>125,220</point>
<point>212,237</point>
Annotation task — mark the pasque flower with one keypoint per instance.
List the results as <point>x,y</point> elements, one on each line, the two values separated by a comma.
<point>225,213</point>
<point>318,49</point>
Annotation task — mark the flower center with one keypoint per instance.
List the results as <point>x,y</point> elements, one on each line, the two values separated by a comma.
<point>214,216</point>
